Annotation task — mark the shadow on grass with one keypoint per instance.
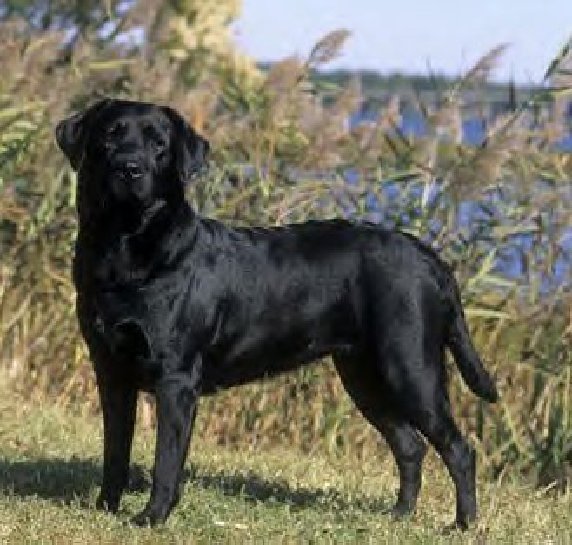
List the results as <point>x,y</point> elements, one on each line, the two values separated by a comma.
<point>72,480</point>
<point>62,480</point>
<point>252,487</point>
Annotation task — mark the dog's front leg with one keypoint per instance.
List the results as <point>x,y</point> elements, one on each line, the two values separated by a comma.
<point>177,396</point>
<point>118,403</point>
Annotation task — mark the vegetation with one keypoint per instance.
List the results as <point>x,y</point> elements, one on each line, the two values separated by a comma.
<point>283,152</point>
<point>376,85</point>
<point>50,469</point>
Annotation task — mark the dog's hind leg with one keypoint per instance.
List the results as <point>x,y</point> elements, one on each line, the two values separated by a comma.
<point>363,383</point>
<point>436,423</point>
<point>432,416</point>
<point>416,378</point>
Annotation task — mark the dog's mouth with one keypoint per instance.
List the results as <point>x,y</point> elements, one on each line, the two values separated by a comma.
<point>130,170</point>
<point>129,184</point>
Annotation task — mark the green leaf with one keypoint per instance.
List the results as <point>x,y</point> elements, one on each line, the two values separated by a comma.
<point>487,313</point>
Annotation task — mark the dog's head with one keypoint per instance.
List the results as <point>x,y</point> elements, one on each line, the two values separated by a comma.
<point>131,154</point>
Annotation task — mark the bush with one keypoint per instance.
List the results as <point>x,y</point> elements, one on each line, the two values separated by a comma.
<point>284,152</point>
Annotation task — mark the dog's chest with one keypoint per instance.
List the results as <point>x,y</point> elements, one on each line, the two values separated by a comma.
<point>120,264</point>
<point>126,321</point>
<point>134,315</point>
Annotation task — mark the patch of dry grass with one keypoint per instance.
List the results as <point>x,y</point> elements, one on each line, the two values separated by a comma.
<point>50,469</point>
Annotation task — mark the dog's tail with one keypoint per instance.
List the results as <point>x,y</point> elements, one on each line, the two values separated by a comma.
<point>466,357</point>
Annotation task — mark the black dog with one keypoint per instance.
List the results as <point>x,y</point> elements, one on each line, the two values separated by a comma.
<point>180,306</point>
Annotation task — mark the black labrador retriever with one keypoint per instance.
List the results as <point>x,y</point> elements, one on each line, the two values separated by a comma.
<point>182,306</point>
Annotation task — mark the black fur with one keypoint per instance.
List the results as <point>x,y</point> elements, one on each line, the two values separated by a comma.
<point>182,306</point>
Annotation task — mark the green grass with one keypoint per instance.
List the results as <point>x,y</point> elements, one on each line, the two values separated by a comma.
<point>50,469</point>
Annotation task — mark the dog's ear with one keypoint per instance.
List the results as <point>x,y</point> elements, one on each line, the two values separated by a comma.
<point>190,148</point>
<point>71,133</point>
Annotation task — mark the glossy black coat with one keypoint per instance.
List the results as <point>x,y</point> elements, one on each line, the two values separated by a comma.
<point>181,305</point>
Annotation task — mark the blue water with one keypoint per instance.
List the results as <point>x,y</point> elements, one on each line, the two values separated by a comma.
<point>474,130</point>
<point>473,218</point>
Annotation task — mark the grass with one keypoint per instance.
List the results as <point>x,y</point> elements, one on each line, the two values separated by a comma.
<point>50,468</point>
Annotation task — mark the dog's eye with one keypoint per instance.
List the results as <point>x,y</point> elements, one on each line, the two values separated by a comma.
<point>115,129</point>
<point>159,145</point>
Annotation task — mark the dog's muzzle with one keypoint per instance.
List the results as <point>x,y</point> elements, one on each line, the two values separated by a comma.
<point>129,180</point>
<point>132,170</point>
<point>128,170</point>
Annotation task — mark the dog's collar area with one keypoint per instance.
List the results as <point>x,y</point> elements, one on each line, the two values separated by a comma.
<point>141,222</point>
<point>149,213</point>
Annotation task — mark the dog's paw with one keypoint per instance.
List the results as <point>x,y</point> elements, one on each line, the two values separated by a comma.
<point>149,517</point>
<point>457,526</point>
<point>401,510</point>
<point>107,503</point>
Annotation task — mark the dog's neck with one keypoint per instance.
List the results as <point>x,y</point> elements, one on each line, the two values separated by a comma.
<point>149,216</point>
<point>117,221</point>
<point>140,233</point>
<point>113,254</point>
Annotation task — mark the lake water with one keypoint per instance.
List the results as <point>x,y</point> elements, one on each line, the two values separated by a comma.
<point>413,124</point>
<point>511,257</point>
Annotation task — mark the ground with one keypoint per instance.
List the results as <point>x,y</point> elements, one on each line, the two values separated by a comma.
<point>50,467</point>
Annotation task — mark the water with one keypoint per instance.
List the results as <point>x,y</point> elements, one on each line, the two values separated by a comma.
<point>511,257</point>
<point>474,130</point>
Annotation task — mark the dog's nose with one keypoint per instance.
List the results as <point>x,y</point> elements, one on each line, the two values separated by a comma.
<point>133,170</point>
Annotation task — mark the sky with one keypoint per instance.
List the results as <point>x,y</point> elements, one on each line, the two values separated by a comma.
<point>423,36</point>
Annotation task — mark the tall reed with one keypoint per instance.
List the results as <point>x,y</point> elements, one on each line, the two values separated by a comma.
<point>283,152</point>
